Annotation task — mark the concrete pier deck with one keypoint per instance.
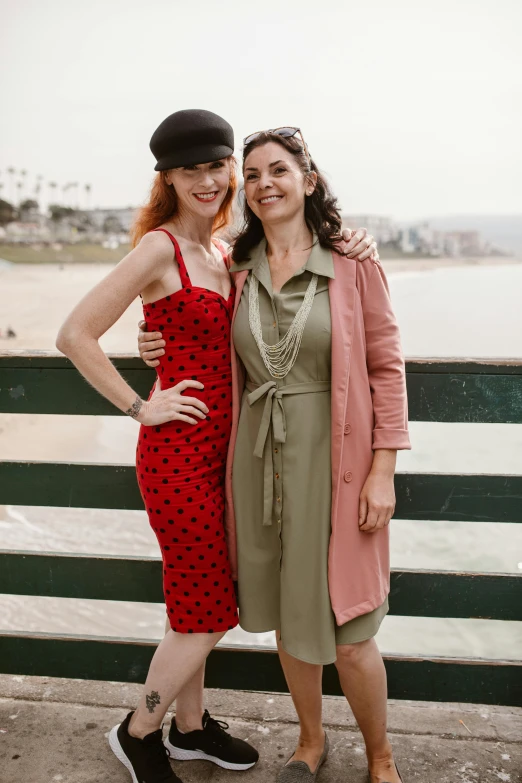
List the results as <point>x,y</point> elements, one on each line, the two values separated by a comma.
<point>54,731</point>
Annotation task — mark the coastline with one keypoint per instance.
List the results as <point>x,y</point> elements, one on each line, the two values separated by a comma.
<point>36,298</point>
<point>394,266</point>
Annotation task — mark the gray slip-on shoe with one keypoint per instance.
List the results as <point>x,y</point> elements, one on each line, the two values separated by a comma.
<point>299,771</point>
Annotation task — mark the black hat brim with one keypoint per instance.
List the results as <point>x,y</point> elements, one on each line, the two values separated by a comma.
<point>204,154</point>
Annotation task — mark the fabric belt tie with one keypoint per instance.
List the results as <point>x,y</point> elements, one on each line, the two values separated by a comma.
<point>274,415</point>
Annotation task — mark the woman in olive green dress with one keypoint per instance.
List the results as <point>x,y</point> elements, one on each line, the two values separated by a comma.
<point>281,472</point>
<point>282,496</point>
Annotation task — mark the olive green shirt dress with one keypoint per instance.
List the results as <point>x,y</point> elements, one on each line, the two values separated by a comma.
<point>282,480</point>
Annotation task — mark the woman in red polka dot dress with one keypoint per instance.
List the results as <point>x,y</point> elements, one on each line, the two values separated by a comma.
<point>182,277</point>
<point>181,467</point>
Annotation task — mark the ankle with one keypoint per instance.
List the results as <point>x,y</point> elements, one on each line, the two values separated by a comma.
<point>187,723</point>
<point>380,756</point>
<point>139,731</point>
<point>312,739</point>
<point>136,733</point>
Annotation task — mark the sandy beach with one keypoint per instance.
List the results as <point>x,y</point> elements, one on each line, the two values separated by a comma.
<point>37,298</point>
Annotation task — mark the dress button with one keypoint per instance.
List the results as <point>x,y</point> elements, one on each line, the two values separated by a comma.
<point>347,429</point>
<point>348,476</point>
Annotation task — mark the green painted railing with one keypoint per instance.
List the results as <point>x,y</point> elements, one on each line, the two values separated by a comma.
<point>438,390</point>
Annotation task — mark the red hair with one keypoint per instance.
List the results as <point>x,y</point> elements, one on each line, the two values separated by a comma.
<point>163,206</point>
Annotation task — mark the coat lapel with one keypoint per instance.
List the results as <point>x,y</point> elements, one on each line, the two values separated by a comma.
<point>342,292</point>
<point>237,388</point>
<point>237,375</point>
<point>239,281</point>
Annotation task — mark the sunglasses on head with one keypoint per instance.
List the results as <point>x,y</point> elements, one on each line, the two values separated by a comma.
<point>286,133</point>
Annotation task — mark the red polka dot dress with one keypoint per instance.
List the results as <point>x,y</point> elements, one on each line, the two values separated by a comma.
<point>181,466</point>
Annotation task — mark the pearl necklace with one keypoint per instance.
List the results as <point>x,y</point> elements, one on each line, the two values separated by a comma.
<point>279,358</point>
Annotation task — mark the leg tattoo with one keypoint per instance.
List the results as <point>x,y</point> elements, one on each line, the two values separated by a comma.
<point>152,700</point>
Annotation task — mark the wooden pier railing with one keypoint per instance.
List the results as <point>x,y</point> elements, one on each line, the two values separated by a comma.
<point>488,391</point>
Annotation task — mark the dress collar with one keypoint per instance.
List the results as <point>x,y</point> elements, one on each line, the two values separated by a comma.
<point>319,262</point>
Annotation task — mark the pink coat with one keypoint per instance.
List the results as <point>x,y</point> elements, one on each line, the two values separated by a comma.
<point>369,411</point>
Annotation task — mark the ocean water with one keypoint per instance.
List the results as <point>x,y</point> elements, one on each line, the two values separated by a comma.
<point>471,311</point>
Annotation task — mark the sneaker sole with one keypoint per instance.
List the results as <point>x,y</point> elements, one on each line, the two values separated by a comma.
<point>180,754</point>
<point>119,753</point>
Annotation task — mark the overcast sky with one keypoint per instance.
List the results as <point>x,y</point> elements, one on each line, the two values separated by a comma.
<point>412,107</point>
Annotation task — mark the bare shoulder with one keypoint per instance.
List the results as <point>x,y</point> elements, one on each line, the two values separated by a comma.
<point>156,243</point>
<point>154,251</point>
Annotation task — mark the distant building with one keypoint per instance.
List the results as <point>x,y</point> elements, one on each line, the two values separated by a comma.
<point>452,245</point>
<point>470,242</point>
<point>424,240</point>
<point>383,229</point>
<point>111,220</point>
<point>37,231</point>
<point>408,239</point>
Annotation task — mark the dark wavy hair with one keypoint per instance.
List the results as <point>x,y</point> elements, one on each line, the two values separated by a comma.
<point>321,210</point>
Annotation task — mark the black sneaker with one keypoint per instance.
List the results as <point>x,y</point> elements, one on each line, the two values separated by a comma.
<point>147,760</point>
<point>211,743</point>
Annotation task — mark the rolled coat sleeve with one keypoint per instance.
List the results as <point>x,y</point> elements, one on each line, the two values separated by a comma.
<point>385,363</point>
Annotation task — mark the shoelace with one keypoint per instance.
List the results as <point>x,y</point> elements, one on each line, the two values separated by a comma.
<point>219,729</point>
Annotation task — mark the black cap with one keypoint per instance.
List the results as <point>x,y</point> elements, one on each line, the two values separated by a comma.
<point>191,136</point>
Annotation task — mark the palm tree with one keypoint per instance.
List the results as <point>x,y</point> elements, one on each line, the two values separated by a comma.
<point>19,187</point>
<point>87,189</point>
<point>11,171</point>
<point>23,174</point>
<point>37,189</point>
<point>52,189</point>
<point>70,189</point>
<point>74,186</point>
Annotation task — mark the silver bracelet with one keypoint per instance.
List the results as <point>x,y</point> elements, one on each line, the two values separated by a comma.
<point>135,408</point>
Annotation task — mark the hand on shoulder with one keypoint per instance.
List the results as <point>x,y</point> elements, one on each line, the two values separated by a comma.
<point>221,242</point>
<point>225,248</point>
<point>358,244</point>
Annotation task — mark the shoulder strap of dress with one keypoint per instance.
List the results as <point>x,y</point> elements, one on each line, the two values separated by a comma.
<point>184,275</point>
